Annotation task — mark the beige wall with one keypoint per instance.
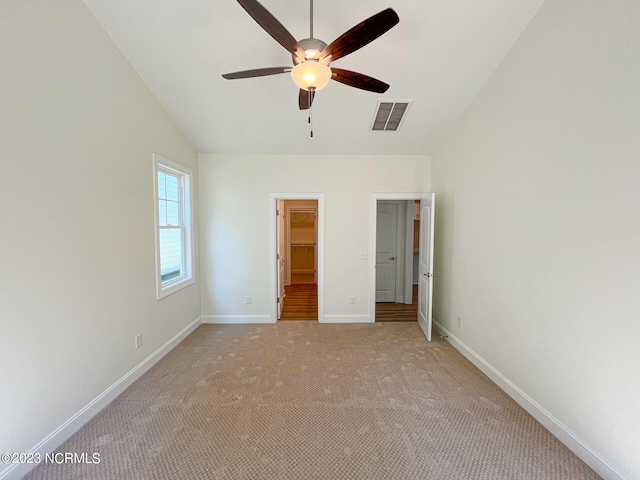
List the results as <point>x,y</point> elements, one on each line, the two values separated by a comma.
<point>77,131</point>
<point>537,228</point>
<point>234,216</point>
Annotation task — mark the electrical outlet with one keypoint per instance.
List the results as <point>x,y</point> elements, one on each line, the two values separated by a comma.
<point>459,321</point>
<point>247,299</point>
<point>352,299</point>
<point>138,340</point>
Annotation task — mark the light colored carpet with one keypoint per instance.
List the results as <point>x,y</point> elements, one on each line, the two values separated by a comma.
<point>301,400</point>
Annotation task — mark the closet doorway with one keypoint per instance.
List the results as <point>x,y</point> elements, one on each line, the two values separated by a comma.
<point>297,241</point>
<point>300,300</point>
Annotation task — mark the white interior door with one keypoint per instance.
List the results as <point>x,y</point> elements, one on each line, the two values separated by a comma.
<point>386,251</point>
<point>425,274</point>
<point>280,254</point>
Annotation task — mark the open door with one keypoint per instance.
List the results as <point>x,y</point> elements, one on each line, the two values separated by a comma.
<point>280,256</point>
<point>425,273</point>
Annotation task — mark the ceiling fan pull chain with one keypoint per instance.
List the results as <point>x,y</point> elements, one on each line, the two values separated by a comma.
<point>312,92</point>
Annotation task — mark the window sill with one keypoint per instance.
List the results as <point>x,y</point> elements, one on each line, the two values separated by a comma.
<point>174,287</point>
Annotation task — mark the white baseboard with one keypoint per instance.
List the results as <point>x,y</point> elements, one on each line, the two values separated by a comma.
<point>236,319</point>
<point>73,424</point>
<point>346,318</point>
<point>560,431</point>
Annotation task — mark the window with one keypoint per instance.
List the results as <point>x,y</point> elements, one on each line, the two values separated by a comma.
<point>174,229</point>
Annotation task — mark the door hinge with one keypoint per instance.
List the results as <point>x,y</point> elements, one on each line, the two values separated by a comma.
<point>277,212</point>
<point>277,256</point>
<point>278,299</point>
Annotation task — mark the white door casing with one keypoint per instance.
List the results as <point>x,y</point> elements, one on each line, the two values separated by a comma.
<point>425,274</point>
<point>386,251</point>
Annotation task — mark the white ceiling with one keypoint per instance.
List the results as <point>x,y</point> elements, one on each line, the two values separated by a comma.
<point>439,55</point>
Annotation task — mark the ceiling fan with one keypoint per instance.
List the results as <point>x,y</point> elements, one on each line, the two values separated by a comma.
<point>311,56</point>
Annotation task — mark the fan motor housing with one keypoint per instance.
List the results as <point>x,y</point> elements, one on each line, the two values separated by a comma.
<point>310,45</point>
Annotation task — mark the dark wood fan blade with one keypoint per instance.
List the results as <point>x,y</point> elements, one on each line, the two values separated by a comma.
<point>272,26</point>
<point>358,80</point>
<point>305,99</point>
<point>259,72</point>
<point>362,34</point>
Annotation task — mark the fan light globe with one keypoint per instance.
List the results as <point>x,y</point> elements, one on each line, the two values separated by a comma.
<point>311,73</point>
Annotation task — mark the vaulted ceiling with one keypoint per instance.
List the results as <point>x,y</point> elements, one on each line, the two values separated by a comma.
<point>439,56</point>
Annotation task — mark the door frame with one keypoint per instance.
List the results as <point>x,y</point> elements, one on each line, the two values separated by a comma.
<point>273,280</point>
<point>372,265</point>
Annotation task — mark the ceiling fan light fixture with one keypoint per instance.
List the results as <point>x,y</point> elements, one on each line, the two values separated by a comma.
<point>311,74</point>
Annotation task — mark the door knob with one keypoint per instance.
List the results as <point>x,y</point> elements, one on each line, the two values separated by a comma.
<point>392,258</point>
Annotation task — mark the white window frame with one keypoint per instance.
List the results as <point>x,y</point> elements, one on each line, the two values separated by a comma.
<point>161,164</point>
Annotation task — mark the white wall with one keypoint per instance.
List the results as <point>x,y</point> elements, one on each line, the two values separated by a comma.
<point>538,231</point>
<point>77,131</point>
<point>234,217</point>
